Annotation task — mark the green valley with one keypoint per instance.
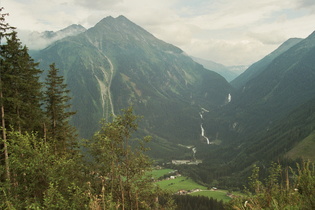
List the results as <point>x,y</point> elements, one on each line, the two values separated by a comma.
<point>86,118</point>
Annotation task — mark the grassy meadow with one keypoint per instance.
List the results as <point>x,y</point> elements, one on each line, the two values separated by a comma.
<point>186,183</point>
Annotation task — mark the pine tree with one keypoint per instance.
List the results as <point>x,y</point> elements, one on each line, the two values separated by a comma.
<point>57,106</point>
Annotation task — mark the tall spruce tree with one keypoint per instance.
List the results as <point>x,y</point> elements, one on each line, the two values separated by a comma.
<point>20,89</point>
<point>5,29</point>
<point>23,89</point>
<point>57,110</point>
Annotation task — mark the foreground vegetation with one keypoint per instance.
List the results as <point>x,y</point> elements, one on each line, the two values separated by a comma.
<point>283,189</point>
<point>43,165</point>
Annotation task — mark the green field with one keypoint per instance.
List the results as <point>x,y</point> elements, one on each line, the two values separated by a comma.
<point>185,183</point>
<point>161,172</point>
<point>180,183</point>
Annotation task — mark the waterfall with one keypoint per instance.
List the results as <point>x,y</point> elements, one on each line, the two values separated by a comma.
<point>203,134</point>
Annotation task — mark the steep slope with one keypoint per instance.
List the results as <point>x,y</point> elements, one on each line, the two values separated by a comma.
<point>258,67</point>
<point>273,114</point>
<point>286,83</point>
<point>290,133</point>
<point>116,64</point>
<point>256,121</point>
<point>216,67</point>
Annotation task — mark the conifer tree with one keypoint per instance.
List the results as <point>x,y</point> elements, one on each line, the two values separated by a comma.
<point>23,92</point>
<point>57,105</point>
<point>4,32</point>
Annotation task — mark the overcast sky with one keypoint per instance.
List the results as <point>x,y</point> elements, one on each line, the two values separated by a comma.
<point>231,32</point>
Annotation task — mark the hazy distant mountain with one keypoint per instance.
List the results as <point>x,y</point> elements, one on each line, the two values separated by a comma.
<point>229,73</point>
<point>255,69</point>
<point>116,63</point>
<point>238,69</point>
<point>36,40</point>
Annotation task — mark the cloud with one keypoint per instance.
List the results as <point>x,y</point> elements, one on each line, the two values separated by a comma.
<point>233,52</point>
<point>306,3</point>
<point>98,4</point>
<point>225,31</point>
<point>269,37</point>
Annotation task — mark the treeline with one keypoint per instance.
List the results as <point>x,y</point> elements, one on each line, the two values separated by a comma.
<point>43,165</point>
<point>188,202</point>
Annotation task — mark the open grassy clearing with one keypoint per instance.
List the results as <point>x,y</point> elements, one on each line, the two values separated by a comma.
<point>180,183</point>
<point>161,172</point>
<point>185,183</point>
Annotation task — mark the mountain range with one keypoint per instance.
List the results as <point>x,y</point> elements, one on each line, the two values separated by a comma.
<point>262,114</point>
<point>271,114</point>
<point>228,72</point>
<point>116,64</point>
<point>39,40</point>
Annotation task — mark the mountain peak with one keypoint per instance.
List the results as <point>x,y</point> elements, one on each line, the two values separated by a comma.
<point>121,17</point>
<point>76,27</point>
<point>111,19</point>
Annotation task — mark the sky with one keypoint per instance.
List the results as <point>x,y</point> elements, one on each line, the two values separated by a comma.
<point>230,32</point>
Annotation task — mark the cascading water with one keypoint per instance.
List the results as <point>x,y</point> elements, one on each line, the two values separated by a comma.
<point>194,150</point>
<point>203,134</point>
<point>202,129</point>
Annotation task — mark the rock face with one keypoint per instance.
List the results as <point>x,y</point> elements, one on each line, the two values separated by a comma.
<point>116,64</point>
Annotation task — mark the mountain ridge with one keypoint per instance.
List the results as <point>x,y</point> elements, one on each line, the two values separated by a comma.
<point>258,67</point>
<point>116,64</point>
<point>217,67</point>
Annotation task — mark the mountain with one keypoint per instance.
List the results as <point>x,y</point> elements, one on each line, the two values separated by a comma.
<point>255,69</point>
<point>269,118</point>
<point>39,40</point>
<point>258,111</point>
<point>238,69</point>
<point>224,71</point>
<point>116,64</point>
<point>276,85</point>
<point>71,30</point>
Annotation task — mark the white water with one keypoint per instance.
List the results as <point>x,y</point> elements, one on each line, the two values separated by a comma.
<point>203,134</point>
<point>229,98</point>
<point>204,110</point>
<point>194,150</point>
